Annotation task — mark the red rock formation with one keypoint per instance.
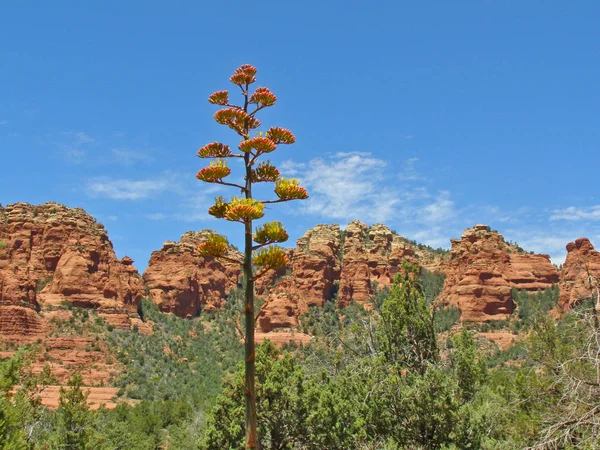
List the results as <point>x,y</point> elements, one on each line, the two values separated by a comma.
<point>483,269</point>
<point>357,259</point>
<point>21,324</point>
<point>282,337</point>
<point>97,396</point>
<point>316,264</point>
<point>51,254</point>
<point>184,283</point>
<point>582,263</point>
<point>282,307</point>
<point>372,257</point>
<point>315,269</point>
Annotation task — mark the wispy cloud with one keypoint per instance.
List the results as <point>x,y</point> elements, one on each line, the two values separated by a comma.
<point>128,189</point>
<point>577,213</point>
<point>345,186</point>
<point>3,122</point>
<point>435,236</point>
<point>441,209</point>
<point>409,171</point>
<point>78,147</point>
<point>128,157</point>
<point>75,149</point>
<point>193,207</point>
<point>357,185</point>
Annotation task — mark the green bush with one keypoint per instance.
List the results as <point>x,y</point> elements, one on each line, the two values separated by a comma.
<point>432,284</point>
<point>444,318</point>
<point>531,305</point>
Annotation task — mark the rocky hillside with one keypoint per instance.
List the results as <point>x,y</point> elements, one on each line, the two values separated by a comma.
<point>51,259</point>
<point>327,264</point>
<point>482,271</point>
<point>52,256</point>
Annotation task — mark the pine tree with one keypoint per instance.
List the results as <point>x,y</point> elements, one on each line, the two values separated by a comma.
<point>407,332</point>
<point>74,413</point>
<point>259,250</point>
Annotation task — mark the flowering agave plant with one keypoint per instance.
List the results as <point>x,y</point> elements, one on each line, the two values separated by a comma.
<point>259,249</point>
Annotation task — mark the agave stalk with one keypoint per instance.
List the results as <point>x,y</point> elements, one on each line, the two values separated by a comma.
<point>259,248</point>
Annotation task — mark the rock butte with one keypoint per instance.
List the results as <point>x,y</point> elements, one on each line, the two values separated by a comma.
<point>482,271</point>
<point>182,282</point>
<point>52,257</point>
<point>581,265</point>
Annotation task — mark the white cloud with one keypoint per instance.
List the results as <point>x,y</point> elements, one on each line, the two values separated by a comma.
<point>3,122</point>
<point>435,237</point>
<point>291,168</point>
<point>357,185</point>
<point>575,213</point>
<point>442,209</point>
<point>83,138</point>
<point>346,186</point>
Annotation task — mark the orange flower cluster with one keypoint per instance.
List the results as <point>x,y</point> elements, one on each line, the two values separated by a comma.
<point>281,135</point>
<point>219,209</point>
<point>219,98</point>
<point>271,257</point>
<point>214,150</point>
<point>260,144</point>
<point>244,210</point>
<point>290,189</point>
<point>270,232</point>
<point>214,172</point>
<point>215,246</point>
<point>263,96</point>
<point>265,172</point>
<point>236,119</point>
<point>244,75</point>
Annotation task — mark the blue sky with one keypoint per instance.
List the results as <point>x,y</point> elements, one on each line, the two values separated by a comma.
<point>429,117</point>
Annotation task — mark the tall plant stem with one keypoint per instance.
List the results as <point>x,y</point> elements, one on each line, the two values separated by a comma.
<point>250,383</point>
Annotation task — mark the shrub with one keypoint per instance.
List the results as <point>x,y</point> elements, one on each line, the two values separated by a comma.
<point>432,284</point>
<point>444,318</point>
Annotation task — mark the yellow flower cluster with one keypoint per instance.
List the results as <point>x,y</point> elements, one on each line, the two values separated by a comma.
<point>270,232</point>
<point>216,245</point>
<point>244,210</point>
<point>214,172</point>
<point>271,257</point>
<point>290,189</point>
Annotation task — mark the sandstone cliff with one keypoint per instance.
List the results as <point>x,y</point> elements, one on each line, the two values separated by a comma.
<point>372,257</point>
<point>51,258</point>
<point>184,283</point>
<point>315,266</point>
<point>482,271</point>
<point>51,255</point>
<point>580,274</point>
<point>327,264</point>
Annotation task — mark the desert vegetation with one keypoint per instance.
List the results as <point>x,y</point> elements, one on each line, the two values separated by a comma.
<point>390,378</point>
